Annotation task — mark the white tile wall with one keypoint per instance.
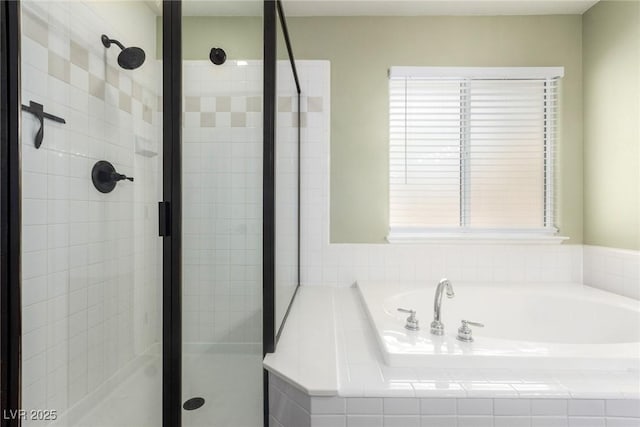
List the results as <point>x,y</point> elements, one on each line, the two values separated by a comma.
<point>285,411</point>
<point>614,270</point>
<point>286,182</point>
<point>90,260</point>
<point>222,202</point>
<point>495,412</point>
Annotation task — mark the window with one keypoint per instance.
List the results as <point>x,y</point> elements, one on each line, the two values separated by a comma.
<point>471,151</point>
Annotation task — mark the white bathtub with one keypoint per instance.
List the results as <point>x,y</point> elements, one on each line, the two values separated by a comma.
<point>558,326</point>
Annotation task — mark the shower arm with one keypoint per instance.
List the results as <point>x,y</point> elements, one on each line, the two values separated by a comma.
<point>106,41</point>
<point>117,43</point>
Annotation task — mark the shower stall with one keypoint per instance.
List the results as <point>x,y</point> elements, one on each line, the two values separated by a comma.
<point>150,210</point>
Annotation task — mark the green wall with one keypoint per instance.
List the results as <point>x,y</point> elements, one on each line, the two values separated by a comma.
<point>611,64</point>
<point>361,50</point>
<point>241,37</point>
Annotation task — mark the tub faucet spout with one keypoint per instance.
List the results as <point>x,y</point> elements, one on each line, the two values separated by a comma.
<point>437,327</point>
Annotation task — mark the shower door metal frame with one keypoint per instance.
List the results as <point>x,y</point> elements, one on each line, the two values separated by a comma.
<point>170,211</point>
<point>10,214</point>
<point>269,177</point>
<point>292,60</point>
<point>273,11</point>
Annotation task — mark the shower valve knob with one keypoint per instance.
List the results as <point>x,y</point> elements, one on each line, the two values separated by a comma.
<point>105,177</point>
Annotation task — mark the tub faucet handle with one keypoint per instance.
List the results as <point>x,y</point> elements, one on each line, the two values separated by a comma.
<point>465,334</point>
<point>412,321</point>
<point>468,322</point>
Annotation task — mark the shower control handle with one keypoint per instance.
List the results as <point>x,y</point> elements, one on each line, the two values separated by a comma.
<point>412,322</point>
<point>115,176</point>
<point>105,177</point>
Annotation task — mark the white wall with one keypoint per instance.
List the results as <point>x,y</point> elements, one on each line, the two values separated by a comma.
<point>91,288</point>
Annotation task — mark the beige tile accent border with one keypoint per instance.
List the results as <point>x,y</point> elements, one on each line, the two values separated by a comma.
<point>254,104</point>
<point>147,114</point>
<point>35,28</point>
<point>79,55</point>
<point>238,120</point>
<point>59,67</point>
<point>125,102</point>
<point>314,104</point>
<point>223,104</point>
<point>208,120</point>
<point>192,104</point>
<point>284,104</point>
<point>136,91</point>
<point>96,86</point>
<point>303,120</point>
<point>113,76</point>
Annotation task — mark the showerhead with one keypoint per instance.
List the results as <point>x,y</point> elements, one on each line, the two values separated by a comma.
<point>130,58</point>
<point>217,55</point>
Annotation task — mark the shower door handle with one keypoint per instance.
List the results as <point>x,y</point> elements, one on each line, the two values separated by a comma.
<point>164,227</point>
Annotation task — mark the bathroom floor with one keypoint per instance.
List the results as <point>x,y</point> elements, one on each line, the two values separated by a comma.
<point>230,383</point>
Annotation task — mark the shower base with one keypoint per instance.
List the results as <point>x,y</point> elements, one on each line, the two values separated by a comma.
<point>228,378</point>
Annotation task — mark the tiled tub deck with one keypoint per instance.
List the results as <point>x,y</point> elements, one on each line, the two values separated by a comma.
<point>328,371</point>
<point>289,406</point>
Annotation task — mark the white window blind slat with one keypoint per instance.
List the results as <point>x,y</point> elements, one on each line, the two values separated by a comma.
<point>472,153</point>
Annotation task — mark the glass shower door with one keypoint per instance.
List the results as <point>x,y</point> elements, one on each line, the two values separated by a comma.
<point>91,178</point>
<point>222,215</point>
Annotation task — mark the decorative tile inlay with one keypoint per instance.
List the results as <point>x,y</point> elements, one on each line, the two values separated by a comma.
<point>284,104</point>
<point>303,120</point>
<point>254,104</point>
<point>136,91</point>
<point>96,86</point>
<point>79,55</point>
<point>35,28</point>
<point>192,104</point>
<point>208,120</point>
<point>238,120</point>
<point>125,102</point>
<point>59,67</point>
<point>314,104</point>
<point>223,104</point>
<point>113,76</point>
<point>147,114</point>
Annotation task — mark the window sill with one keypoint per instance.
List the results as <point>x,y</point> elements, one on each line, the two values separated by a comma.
<point>475,238</point>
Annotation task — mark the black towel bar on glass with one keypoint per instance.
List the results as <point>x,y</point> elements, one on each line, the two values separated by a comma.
<point>38,111</point>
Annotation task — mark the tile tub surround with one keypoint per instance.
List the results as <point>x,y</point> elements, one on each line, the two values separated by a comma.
<point>290,407</point>
<point>301,394</point>
<point>90,289</point>
<point>613,270</point>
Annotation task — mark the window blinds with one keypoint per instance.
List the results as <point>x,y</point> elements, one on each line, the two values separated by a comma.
<point>472,153</point>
